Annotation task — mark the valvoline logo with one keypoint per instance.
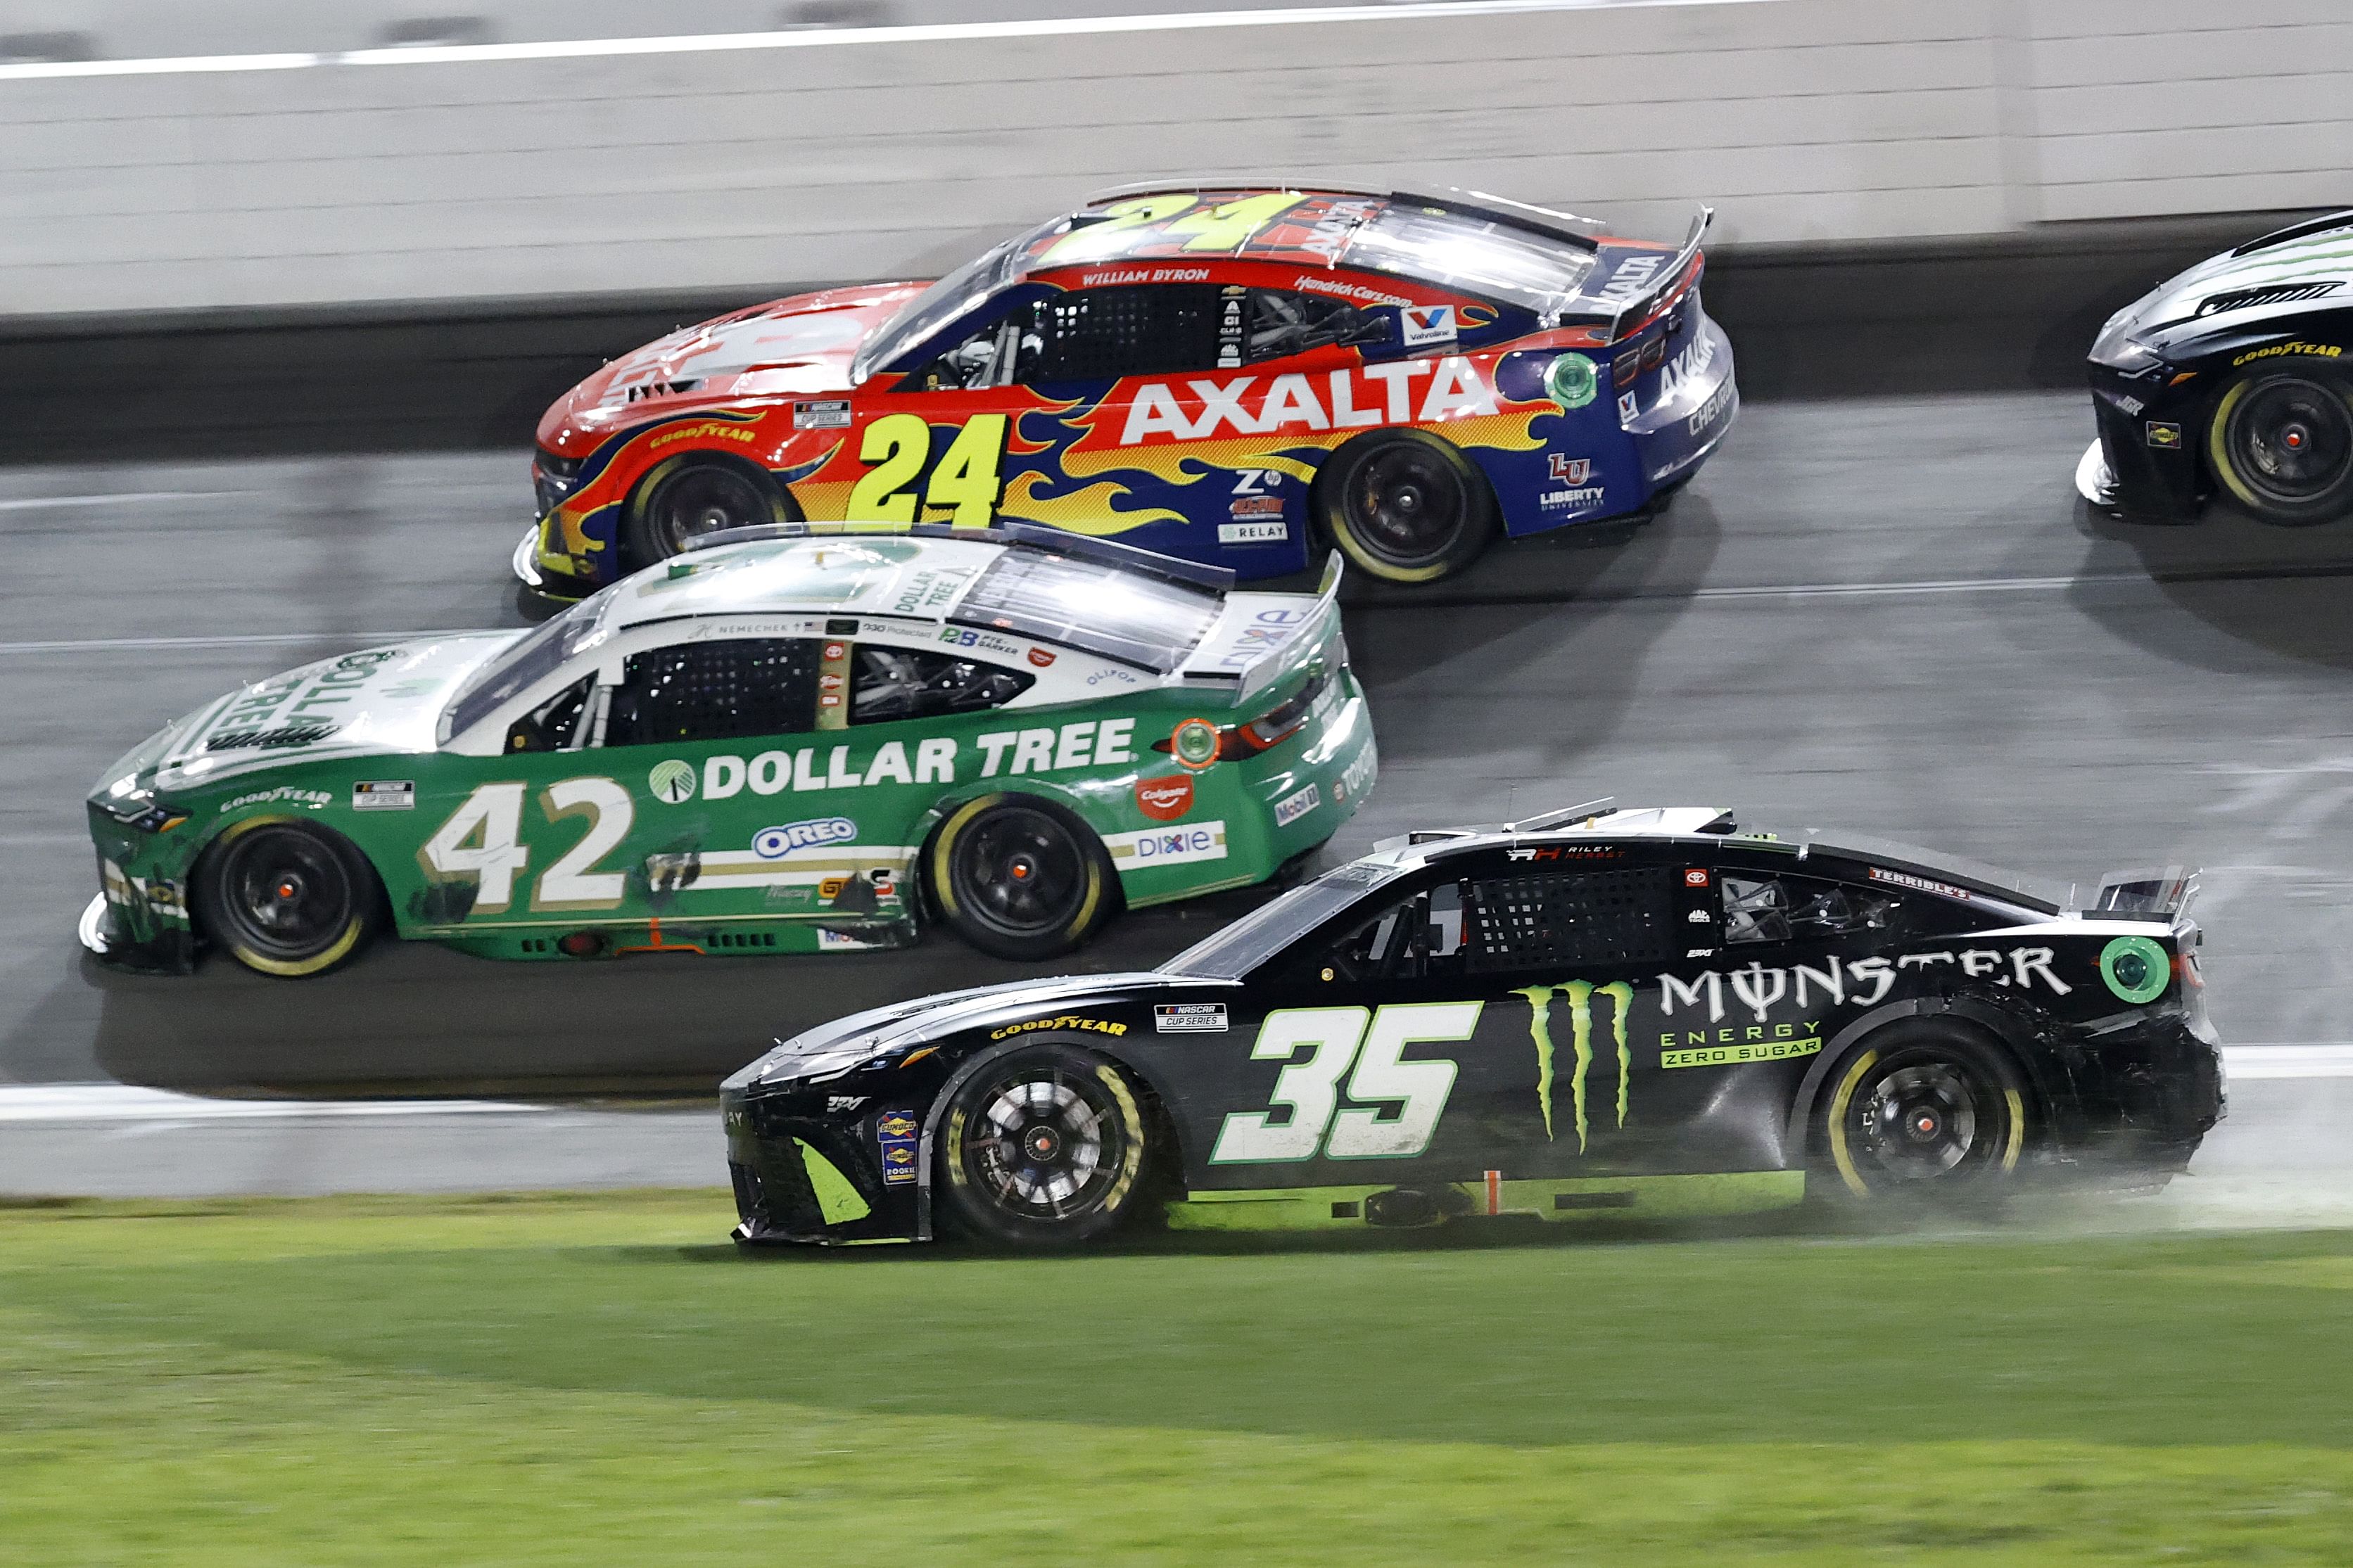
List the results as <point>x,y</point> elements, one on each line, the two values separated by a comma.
<point>773,843</point>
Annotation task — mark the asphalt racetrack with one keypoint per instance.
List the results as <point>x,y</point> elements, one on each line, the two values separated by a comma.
<point>1891,616</point>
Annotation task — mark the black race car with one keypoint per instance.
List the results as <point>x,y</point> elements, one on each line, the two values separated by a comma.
<point>1600,1012</point>
<point>2233,378</point>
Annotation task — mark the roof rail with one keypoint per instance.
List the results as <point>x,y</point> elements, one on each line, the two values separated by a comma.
<point>2341,219</point>
<point>1004,532</point>
<point>1546,221</point>
<point>1566,817</point>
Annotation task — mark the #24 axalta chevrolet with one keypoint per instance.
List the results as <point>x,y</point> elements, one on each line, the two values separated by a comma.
<point>1600,1012</point>
<point>1233,373</point>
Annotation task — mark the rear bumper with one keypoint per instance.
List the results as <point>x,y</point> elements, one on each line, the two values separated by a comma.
<point>2145,1097</point>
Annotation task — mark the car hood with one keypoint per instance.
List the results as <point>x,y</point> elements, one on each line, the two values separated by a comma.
<point>930,1018</point>
<point>795,346</point>
<point>378,702</point>
<point>2324,257</point>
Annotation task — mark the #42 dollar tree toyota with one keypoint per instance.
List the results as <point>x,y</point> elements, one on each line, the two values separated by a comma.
<point>773,745</point>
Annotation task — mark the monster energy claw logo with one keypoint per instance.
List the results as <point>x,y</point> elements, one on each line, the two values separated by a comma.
<point>1580,995</point>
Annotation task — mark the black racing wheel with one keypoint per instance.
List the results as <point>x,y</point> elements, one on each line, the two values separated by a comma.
<point>2282,443</point>
<point>1926,1110</point>
<point>1406,506</point>
<point>1042,1146</point>
<point>1020,877</point>
<point>687,499</point>
<point>287,899</point>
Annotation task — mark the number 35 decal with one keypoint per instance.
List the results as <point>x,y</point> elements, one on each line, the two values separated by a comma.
<point>482,840</point>
<point>1337,1038</point>
<point>965,483</point>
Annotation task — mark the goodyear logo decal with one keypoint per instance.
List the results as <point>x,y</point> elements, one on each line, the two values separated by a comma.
<point>1067,1021</point>
<point>2318,351</point>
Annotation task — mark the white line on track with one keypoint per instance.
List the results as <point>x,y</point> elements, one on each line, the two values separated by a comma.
<point>124,497</point>
<point>258,639</point>
<point>817,37</point>
<point>38,1102</point>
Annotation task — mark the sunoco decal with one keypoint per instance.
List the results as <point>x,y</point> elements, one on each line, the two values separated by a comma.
<point>896,1138</point>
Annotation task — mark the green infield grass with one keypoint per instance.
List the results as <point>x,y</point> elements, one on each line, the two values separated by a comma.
<point>592,1381</point>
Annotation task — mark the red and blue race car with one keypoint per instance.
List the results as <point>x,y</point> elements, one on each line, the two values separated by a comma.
<point>1226,374</point>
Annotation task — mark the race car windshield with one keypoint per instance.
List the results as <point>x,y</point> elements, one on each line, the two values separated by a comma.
<point>1272,929</point>
<point>1120,614</point>
<point>938,305</point>
<point>1456,250</point>
<point>538,653</point>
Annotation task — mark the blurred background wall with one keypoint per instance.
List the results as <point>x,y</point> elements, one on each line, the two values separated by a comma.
<point>375,154</point>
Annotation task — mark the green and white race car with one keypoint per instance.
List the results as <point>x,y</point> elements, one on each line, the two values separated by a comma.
<point>796,740</point>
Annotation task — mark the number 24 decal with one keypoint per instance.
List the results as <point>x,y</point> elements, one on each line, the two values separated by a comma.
<point>1337,1038</point>
<point>482,839</point>
<point>965,483</point>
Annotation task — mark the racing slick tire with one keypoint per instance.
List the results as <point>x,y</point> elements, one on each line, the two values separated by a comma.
<point>1925,1112</point>
<point>1019,877</point>
<point>287,899</point>
<point>690,497</point>
<point>1406,506</point>
<point>2281,442</point>
<point>1043,1146</point>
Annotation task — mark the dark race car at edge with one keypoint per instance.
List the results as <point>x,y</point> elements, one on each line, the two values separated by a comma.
<point>1240,375</point>
<point>1604,1012</point>
<point>2231,380</point>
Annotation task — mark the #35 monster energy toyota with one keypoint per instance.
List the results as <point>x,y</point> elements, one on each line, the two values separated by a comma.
<point>778,744</point>
<point>1603,1012</point>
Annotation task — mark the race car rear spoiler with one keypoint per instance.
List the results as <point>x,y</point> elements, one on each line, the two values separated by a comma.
<point>2158,893</point>
<point>1250,643</point>
<point>1638,310</point>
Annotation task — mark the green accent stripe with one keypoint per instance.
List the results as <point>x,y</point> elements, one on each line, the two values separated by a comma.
<point>1639,1197</point>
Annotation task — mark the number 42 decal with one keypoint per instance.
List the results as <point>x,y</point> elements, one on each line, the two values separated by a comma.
<point>1336,1039</point>
<point>482,840</point>
<point>965,483</point>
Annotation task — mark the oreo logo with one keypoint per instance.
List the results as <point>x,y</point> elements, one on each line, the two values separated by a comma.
<point>774,843</point>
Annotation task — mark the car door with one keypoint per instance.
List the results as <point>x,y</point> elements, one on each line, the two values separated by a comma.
<point>738,815</point>
<point>1479,1018</point>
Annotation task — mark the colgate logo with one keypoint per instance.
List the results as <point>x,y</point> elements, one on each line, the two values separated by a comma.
<point>1164,800</point>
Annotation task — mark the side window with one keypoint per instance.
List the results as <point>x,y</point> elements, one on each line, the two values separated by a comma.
<point>1558,920</point>
<point>888,684</point>
<point>1797,908</point>
<point>715,692</point>
<point>551,726</point>
<point>1281,323</point>
<point>1415,939</point>
<point>1095,334</point>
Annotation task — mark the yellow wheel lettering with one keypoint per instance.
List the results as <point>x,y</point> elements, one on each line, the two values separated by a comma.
<point>943,884</point>
<point>967,477</point>
<point>1132,1123</point>
<point>2218,450</point>
<point>2017,1131</point>
<point>897,445</point>
<point>1839,1150</point>
<point>1227,227</point>
<point>294,969</point>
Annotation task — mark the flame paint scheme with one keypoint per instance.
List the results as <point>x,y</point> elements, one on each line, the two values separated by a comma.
<point>1602,1012</point>
<point>1277,324</point>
